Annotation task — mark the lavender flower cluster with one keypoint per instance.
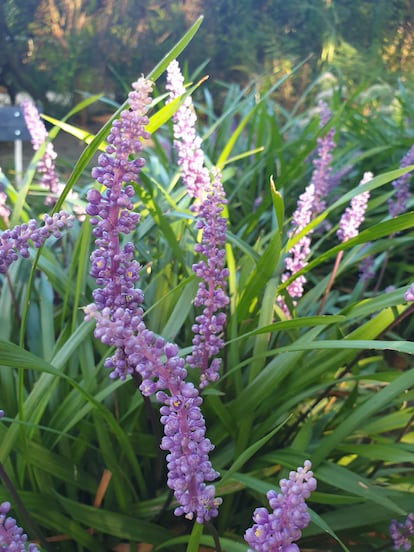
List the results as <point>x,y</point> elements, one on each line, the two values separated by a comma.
<point>322,171</point>
<point>12,537</point>
<point>207,340</point>
<point>296,260</point>
<point>398,203</point>
<point>4,210</point>
<point>208,208</point>
<point>46,165</point>
<point>401,533</point>
<point>310,204</point>
<point>354,214</point>
<point>186,141</point>
<point>278,530</point>
<point>409,294</point>
<point>118,312</point>
<point>16,241</point>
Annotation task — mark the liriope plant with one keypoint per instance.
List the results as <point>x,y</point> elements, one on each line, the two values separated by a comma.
<point>324,381</point>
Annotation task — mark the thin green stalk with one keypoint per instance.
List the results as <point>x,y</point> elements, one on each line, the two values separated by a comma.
<point>214,534</point>
<point>13,297</point>
<point>331,281</point>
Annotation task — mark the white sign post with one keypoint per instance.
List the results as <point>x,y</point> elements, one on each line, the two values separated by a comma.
<point>13,129</point>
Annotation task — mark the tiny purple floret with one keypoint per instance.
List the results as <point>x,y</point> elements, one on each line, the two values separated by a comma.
<point>402,532</point>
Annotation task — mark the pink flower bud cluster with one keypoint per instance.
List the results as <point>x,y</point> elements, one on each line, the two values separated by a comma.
<point>187,143</point>
<point>354,215</point>
<point>4,210</point>
<point>297,255</point>
<point>409,294</point>
<point>278,530</point>
<point>46,165</point>
<point>310,204</point>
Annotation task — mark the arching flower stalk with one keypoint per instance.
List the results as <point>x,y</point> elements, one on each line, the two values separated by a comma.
<point>118,312</point>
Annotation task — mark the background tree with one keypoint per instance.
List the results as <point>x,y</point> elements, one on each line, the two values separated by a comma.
<point>101,45</point>
<point>16,44</point>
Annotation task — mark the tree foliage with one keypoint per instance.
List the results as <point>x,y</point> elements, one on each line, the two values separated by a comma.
<point>101,45</point>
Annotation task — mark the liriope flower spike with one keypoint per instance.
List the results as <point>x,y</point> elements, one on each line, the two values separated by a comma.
<point>210,199</point>
<point>12,537</point>
<point>46,165</point>
<point>401,533</point>
<point>310,204</point>
<point>409,294</point>
<point>277,531</point>
<point>118,313</point>
<point>211,294</point>
<point>322,171</point>
<point>297,255</point>
<point>354,215</point>
<point>4,210</point>
<point>15,242</point>
<point>187,143</point>
<point>398,203</point>
<point>114,266</point>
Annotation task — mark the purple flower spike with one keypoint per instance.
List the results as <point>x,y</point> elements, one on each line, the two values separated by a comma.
<point>398,204</point>
<point>277,531</point>
<point>14,242</point>
<point>211,294</point>
<point>400,533</point>
<point>114,266</point>
<point>297,255</point>
<point>208,206</point>
<point>310,204</point>
<point>186,141</point>
<point>367,268</point>
<point>12,537</point>
<point>119,317</point>
<point>409,294</point>
<point>46,165</point>
<point>322,172</point>
<point>4,210</point>
<point>354,215</point>
<point>189,467</point>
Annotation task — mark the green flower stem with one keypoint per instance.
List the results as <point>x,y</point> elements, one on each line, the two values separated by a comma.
<point>331,280</point>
